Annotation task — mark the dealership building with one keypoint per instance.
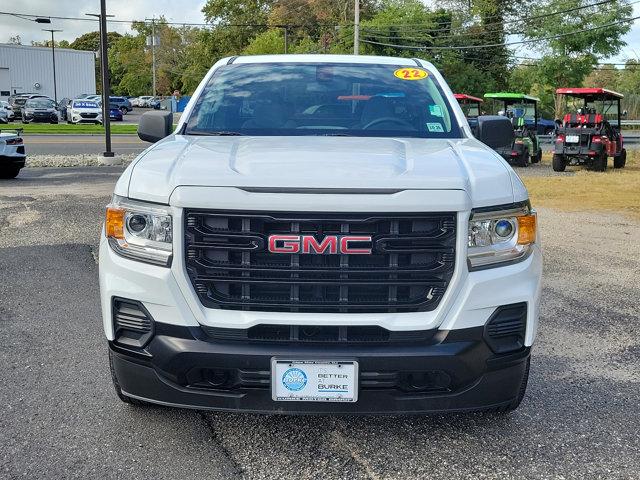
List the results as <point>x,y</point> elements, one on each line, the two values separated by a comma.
<point>25,69</point>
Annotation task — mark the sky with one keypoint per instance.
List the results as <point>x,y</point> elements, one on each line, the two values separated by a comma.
<point>173,10</point>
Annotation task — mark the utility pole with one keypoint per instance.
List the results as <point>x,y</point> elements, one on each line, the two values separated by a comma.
<point>104,66</point>
<point>153,51</point>
<point>53,55</point>
<point>356,28</point>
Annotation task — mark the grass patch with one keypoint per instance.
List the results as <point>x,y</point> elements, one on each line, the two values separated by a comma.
<point>65,128</point>
<point>616,190</point>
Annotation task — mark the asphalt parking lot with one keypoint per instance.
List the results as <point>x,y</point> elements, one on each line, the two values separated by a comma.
<point>60,417</point>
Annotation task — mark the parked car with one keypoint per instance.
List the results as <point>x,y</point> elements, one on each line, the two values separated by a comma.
<point>144,100</point>
<point>5,105</point>
<point>17,102</point>
<point>115,112</point>
<point>4,115</point>
<point>84,111</point>
<point>40,109</point>
<point>378,260</point>
<point>122,103</point>
<point>155,103</point>
<point>12,153</point>
<point>94,98</point>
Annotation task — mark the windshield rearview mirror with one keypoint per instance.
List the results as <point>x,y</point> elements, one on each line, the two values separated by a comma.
<point>495,131</point>
<point>154,126</point>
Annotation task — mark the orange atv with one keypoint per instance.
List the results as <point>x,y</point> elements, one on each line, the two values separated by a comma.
<point>591,134</point>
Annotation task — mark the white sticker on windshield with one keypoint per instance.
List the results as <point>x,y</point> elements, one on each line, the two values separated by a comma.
<point>435,127</point>
<point>435,110</point>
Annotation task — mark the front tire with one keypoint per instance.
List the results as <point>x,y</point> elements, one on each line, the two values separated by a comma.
<point>619,161</point>
<point>558,163</point>
<point>10,172</point>
<point>116,386</point>
<point>523,159</point>
<point>538,157</point>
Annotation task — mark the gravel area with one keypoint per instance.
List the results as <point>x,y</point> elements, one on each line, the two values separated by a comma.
<point>81,160</point>
<point>61,419</point>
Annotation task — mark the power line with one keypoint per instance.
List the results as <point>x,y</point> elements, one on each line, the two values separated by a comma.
<point>520,42</point>
<point>516,20</point>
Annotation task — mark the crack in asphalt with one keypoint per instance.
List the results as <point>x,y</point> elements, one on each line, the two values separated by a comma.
<point>215,436</point>
<point>341,442</point>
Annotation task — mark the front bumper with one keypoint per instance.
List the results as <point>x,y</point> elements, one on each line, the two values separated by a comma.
<point>457,371</point>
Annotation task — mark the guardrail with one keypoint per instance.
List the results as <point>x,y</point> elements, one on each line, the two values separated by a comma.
<point>630,123</point>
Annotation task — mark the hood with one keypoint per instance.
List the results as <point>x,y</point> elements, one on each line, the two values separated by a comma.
<point>307,162</point>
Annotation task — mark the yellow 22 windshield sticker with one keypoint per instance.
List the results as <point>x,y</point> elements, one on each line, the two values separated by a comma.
<point>411,73</point>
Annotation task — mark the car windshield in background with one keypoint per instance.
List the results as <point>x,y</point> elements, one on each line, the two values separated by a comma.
<point>323,99</point>
<point>40,103</point>
<point>85,104</point>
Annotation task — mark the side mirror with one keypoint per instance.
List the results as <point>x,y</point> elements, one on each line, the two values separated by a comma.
<point>154,126</point>
<point>495,131</point>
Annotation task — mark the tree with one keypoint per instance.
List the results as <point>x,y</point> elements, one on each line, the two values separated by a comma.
<point>91,41</point>
<point>15,40</point>
<point>568,59</point>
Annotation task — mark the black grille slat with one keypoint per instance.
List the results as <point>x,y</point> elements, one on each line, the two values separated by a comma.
<point>412,262</point>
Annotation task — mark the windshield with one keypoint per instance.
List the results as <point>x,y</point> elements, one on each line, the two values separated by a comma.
<point>470,109</point>
<point>323,99</point>
<point>84,104</point>
<point>40,103</point>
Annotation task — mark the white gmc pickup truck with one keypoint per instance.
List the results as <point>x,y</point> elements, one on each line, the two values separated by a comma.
<point>321,234</point>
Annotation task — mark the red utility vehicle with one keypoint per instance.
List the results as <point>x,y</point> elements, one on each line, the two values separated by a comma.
<point>591,132</point>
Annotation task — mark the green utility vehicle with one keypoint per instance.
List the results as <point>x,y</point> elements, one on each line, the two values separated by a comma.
<point>523,111</point>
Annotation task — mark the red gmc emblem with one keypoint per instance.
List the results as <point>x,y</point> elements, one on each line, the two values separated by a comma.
<point>330,244</point>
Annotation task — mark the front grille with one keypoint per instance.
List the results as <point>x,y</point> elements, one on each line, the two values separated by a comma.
<point>88,115</point>
<point>409,269</point>
<point>318,334</point>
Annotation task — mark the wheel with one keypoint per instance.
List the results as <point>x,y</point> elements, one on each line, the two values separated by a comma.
<point>558,163</point>
<point>537,157</point>
<point>619,161</point>
<point>10,172</point>
<point>523,159</point>
<point>116,386</point>
<point>523,388</point>
<point>600,162</point>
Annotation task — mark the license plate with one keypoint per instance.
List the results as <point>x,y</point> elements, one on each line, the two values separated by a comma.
<point>314,380</point>
<point>573,138</point>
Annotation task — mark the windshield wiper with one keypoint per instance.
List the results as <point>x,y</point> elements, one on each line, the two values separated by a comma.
<point>334,135</point>
<point>217,134</point>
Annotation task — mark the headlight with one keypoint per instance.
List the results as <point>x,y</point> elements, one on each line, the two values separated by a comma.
<point>139,230</point>
<point>501,235</point>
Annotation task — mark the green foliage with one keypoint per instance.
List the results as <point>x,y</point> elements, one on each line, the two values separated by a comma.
<point>271,41</point>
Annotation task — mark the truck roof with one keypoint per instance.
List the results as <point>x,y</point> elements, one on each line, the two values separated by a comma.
<point>315,58</point>
<point>511,96</point>
<point>586,92</point>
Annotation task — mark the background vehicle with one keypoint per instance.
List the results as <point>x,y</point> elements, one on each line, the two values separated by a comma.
<point>290,225</point>
<point>115,112</point>
<point>471,108</point>
<point>143,101</point>
<point>591,132</point>
<point>520,107</point>
<point>123,104</point>
<point>18,101</point>
<point>40,109</point>
<point>84,111</point>
<point>12,153</point>
<point>5,105</point>
<point>4,116</point>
